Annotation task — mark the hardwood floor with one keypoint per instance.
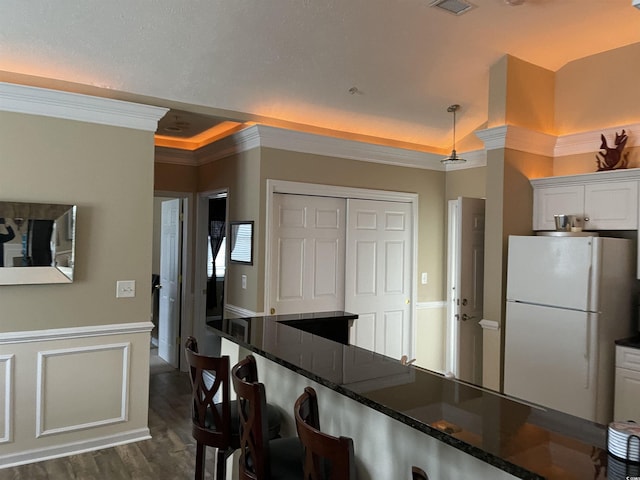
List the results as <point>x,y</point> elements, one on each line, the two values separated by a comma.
<point>170,454</point>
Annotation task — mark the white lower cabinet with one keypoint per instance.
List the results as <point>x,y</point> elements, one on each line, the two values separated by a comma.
<point>627,393</point>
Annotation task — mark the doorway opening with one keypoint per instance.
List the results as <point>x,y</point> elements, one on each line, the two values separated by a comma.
<point>168,261</point>
<point>216,257</point>
<point>212,257</point>
<point>465,280</point>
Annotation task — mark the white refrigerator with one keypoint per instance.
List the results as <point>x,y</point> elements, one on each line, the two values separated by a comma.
<point>568,300</point>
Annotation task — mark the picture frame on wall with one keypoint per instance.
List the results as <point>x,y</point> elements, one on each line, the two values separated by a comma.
<point>241,245</point>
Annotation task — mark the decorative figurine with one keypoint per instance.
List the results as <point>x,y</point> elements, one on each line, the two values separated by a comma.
<point>612,158</point>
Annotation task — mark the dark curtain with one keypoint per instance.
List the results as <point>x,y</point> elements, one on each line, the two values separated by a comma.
<point>40,232</point>
<point>216,234</point>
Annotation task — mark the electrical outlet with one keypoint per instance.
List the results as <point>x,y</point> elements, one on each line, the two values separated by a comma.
<point>125,288</point>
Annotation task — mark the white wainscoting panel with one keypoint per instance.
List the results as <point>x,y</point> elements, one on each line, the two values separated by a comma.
<point>6,411</point>
<point>96,396</point>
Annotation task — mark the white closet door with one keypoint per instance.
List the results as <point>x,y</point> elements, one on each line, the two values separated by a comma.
<point>307,252</point>
<point>378,275</point>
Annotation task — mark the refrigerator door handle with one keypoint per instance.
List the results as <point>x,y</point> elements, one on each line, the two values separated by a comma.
<point>587,351</point>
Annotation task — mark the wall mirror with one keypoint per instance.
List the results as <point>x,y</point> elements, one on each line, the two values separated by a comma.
<point>37,243</point>
<point>241,242</point>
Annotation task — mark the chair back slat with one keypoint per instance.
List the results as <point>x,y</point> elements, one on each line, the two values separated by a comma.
<point>252,409</point>
<point>418,474</point>
<point>325,457</point>
<point>210,385</point>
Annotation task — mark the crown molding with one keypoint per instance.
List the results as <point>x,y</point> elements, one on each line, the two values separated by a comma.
<point>242,141</point>
<point>589,142</point>
<point>517,138</point>
<point>175,156</point>
<point>530,141</point>
<point>264,136</point>
<point>272,137</point>
<point>79,107</point>
<point>504,136</point>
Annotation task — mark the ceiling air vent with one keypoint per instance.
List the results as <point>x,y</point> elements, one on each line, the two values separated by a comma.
<point>457,7</point>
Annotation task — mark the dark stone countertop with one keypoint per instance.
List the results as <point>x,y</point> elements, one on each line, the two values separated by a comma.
<point>633,342</point>
<point>526,441</point>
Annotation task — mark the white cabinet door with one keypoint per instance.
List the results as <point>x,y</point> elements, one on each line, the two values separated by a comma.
<point>550,201</point>
<point>627,406</point>
<point>611,206</point>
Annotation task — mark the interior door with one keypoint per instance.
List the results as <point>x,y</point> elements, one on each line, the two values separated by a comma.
<point>307,252</point>
<point>169,305</point>
<point>469,298</point>
<point>378,276</point>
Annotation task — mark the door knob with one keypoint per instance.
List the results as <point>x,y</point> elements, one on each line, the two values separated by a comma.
<point>466,317</point>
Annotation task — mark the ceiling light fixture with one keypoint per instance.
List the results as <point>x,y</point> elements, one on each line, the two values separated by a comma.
<point>456,7</point>
<point>453,158</point>
<point>514,3</point>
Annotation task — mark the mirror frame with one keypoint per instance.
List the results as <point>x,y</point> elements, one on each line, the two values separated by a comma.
<point>56,273</point>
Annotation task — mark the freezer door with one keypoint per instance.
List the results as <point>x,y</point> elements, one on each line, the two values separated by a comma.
<point>549,358</point>
<point>552,271</point>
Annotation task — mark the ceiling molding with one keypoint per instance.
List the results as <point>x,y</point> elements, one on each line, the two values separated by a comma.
<point>272,137</point>
<point>82,108</point>
<point>175,156</point>
<point>530,141</point>
<point>504,136</point>
<point>589,142</point>
<point>242,141</point>
<point>517,138</point>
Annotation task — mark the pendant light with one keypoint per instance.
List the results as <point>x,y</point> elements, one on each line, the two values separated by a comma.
<point>453,158</point>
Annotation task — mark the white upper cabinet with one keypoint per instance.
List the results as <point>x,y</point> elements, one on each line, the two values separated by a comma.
<point>602,200</point>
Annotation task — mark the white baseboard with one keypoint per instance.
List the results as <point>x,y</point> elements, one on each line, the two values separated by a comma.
<point>57,451</point>
<point>427,305</point>
<point>240,312</point>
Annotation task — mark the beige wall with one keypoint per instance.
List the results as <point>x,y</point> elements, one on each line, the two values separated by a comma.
<point>529,96</point>
<point>598,91</point>
<point>170,177</point>
<point>56,337</point>
<point>469,182</point>
<point>62,161</point>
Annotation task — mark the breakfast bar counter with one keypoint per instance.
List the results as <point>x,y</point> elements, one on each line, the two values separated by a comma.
<point>448,424</point>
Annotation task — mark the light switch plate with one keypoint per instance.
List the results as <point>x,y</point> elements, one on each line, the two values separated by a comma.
<point>125,288</point>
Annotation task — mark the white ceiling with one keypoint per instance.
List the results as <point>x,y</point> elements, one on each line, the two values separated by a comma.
<point>283,61</point>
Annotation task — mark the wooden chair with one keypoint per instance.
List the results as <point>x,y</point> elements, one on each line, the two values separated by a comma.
<point>325,457</point>
<point>418,474</point>
<point>214,417</point>
<point>261,458</point>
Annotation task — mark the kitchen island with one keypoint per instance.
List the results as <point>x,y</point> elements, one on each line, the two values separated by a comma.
<point>401,415</point>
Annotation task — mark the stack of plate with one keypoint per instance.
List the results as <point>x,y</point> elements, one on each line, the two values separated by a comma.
<point>620,470</point>
<point>624,440</point>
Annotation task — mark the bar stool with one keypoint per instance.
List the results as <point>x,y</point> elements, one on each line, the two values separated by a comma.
<point>214,417</point>
<point>261,458</point>
<point>325,457</point>
<point>418,474</point>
